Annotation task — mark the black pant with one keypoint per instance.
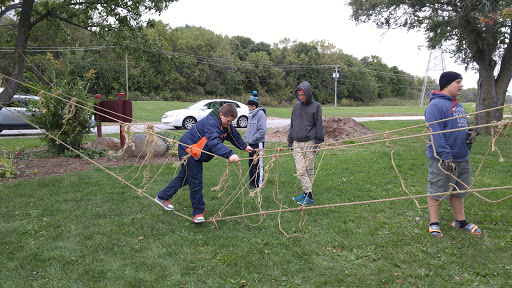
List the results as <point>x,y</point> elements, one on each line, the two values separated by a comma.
<point>256,168</point>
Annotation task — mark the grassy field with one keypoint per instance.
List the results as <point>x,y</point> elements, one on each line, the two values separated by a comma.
<point>150,111</point>
<point>86,229</point>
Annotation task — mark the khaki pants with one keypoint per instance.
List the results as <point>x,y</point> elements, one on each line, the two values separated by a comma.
<point>305,163</point>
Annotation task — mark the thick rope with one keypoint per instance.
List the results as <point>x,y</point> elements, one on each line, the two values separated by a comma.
<point>498,129</point>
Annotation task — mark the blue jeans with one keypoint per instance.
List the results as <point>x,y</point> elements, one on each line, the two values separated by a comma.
<point>191,175</point>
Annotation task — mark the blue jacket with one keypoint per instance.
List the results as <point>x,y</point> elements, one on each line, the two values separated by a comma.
<point>208,135</point>
<point>451,145</point>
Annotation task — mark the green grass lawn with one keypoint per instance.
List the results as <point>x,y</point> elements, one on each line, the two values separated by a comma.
<point>152,111</point>
<point>86,229</point>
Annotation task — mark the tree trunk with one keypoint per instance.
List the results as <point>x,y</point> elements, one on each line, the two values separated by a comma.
<point>24,27</point>
<point>492,91</point>
<point>491,94</point>
<point>487,98</point>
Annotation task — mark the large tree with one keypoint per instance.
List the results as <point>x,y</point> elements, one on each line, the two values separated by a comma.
<point>457,27</point>
<point>119,21</point>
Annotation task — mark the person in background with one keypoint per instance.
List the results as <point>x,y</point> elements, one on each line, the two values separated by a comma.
<point>255,138</point>
<point>450,159</point>
<point>306,133</point>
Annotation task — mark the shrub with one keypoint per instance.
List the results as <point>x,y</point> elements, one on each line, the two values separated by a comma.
<point>66,113</point>
<point>348,102</point>
<point>7,167</point>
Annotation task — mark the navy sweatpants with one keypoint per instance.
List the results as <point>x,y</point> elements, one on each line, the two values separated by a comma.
<point>191,175</point>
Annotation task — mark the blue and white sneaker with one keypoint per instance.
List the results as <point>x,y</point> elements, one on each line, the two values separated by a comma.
<point>299,198</point>
<point>306,201</point>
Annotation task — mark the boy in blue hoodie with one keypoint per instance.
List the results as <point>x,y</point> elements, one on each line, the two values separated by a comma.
<point>255,138</point>
<point>202,141</point>
<point>449,154</point>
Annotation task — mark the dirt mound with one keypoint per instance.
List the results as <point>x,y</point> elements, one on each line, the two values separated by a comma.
<point>336,129</point>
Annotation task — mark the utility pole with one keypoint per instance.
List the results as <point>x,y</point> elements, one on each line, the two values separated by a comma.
<point>335,75</point>
<point>126,59</point>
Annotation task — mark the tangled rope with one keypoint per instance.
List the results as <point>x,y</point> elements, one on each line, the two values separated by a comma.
<point>271,160</point>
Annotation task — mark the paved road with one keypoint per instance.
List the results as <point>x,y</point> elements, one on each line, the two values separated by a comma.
<point>279,122</point>
<point>271,123</point>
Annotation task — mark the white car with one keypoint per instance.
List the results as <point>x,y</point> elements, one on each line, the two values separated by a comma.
<point>186,118</point>
<point>13,116</point>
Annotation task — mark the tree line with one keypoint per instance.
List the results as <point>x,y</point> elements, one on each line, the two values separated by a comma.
<point>192,63</point>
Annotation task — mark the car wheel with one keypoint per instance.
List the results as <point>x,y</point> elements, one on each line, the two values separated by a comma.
<point>242,122</point>
<point>189,122</point>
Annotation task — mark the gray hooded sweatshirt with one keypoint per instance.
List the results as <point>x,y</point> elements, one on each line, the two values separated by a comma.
<point>257,126</point>
<point>306,119</point>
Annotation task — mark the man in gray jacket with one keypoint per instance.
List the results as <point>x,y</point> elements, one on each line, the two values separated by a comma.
<point>306,133</point>
<point>255,138</point>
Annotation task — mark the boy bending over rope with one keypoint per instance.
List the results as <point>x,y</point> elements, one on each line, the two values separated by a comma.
<point>202,141</point>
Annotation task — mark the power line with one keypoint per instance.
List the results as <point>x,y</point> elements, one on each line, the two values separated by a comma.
<point>222,62</point>
<point>234,64</point>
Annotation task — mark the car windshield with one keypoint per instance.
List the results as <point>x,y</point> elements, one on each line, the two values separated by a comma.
<point>197,105</point>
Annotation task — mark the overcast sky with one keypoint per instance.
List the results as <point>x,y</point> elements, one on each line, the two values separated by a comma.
<point>272,20</point>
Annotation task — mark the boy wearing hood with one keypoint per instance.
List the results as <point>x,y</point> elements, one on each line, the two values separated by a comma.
<point>202,142</point>
<point>448,153</point>
<point>306,134</point>
<point>255,138</point>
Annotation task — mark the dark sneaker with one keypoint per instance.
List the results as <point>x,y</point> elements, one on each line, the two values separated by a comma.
<point>306,201</point>
<point>299,198</point>
<point>164,203</point>
<point>199,218</point>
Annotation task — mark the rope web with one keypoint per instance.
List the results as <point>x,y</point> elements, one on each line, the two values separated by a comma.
<point>271,159</point>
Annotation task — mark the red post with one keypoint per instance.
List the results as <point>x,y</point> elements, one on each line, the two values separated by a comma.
<point>98,128</point>
<point>120,97</point>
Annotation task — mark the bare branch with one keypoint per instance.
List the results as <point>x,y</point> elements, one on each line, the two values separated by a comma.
<point>87,3</point>
<point>66,20</point>
<point>505,74</point>
<point>50,13</point>
<point>9,8</point>
<point>41,17</point>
